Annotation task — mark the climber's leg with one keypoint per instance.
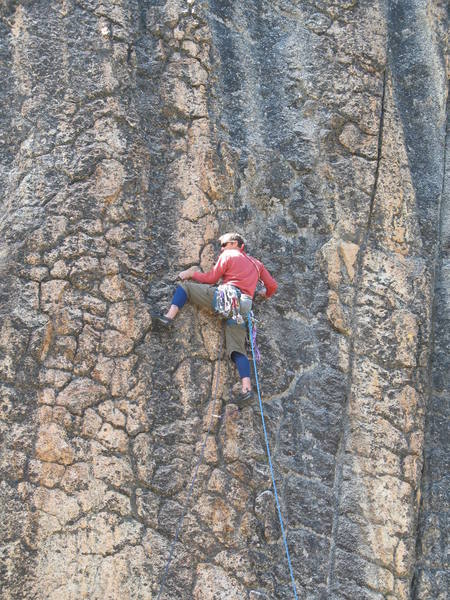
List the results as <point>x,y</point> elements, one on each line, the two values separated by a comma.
<point>235,336</point>
<point>243,366</point>
<point>199,294</point>
<point>178,301</point>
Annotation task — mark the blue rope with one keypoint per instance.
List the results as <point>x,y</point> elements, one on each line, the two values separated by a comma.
<point>270,460</point>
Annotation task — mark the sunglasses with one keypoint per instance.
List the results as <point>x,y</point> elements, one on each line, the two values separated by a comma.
<point>229,242</point>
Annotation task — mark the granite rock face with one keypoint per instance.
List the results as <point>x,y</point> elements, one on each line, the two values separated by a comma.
<point>133,132</point>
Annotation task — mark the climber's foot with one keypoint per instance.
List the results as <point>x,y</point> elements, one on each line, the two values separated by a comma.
<point>244,398</point>
<point>161,321</point>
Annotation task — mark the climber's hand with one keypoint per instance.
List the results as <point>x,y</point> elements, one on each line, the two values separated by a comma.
<point>187,274</point>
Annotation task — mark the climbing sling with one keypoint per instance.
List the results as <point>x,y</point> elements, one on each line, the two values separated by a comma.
<point>227,302</point>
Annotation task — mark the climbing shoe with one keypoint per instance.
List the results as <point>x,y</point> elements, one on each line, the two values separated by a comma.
<point>161,320</point>
<point>244,398</point>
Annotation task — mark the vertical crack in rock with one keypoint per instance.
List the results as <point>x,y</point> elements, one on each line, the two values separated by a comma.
<point>377,173</point>
<point>339,470</point>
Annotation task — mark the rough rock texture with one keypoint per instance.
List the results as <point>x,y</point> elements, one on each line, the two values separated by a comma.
<point>133,131</point>
<point>432,571</point>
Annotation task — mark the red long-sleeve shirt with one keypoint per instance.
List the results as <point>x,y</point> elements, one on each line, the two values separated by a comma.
<point>235,267</point>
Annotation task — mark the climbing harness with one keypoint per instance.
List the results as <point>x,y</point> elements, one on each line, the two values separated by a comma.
<point>270,461</point>
<point>227,302</point>
<point>191,487</point>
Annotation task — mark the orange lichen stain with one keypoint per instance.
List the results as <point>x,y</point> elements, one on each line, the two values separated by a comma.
<point>46,342</point>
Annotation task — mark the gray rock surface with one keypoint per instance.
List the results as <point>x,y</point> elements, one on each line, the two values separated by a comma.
<point>132,133</point>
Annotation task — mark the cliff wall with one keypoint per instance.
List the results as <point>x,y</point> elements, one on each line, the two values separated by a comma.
<point>134,132</point>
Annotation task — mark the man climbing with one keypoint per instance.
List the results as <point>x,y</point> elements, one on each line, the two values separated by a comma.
<point>240,274</point>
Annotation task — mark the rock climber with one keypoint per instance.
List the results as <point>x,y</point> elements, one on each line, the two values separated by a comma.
<point>240,274</point>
